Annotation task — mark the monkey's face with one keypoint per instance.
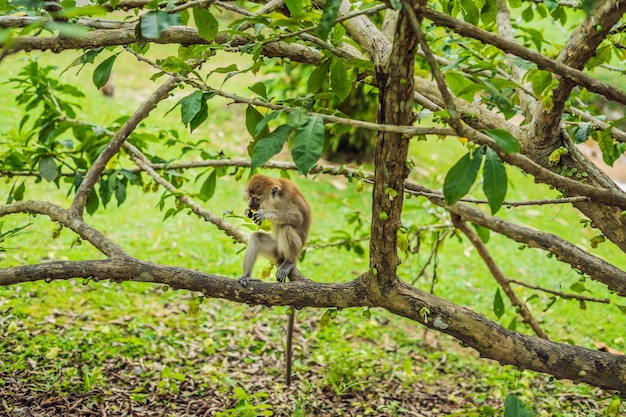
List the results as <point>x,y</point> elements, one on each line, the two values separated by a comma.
<point>254,203</point>
<point>254,200</point>
<point>262,192</point>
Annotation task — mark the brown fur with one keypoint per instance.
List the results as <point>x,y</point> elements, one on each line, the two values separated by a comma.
<point>283,204</point>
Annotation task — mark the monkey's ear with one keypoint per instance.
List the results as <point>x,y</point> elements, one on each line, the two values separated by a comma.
<point>275,191</point>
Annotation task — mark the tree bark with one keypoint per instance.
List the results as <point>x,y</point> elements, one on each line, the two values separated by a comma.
<point>395,81</point>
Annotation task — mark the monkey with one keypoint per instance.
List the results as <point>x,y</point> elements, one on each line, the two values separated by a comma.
<point>283,204</point>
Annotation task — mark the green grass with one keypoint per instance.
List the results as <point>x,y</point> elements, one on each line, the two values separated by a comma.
<point>79,337</point>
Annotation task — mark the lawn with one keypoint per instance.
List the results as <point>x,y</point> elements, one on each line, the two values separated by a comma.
<point>80,347</point>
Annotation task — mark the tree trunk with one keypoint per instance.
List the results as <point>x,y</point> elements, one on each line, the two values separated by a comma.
<point>395,81</point>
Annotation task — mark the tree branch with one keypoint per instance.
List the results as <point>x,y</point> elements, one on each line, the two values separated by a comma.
<point>144,164</point>
<point>543,62</point>
<point>497,273</point>
<point>94,173</point>
<point>65,217</point>
<point>492,341</point>
<point>581,45</point>
<point>565,296</point>
<point>597,268</point>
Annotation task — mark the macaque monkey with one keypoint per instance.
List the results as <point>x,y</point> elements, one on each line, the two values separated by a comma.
<point>282,203</point>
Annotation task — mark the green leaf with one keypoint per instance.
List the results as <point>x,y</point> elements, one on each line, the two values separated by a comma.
<point>504,139</point>
<point>325,320</point>
<point>578,288</point>
<point>308,144</point>
<point>93,10</point>
<point>582,133</point>
<point>202,114</point>
<point>331,8</point>
<point>498,304</point>
<point>461,176</point>
<point>48,168</point>
<point>92,202</point>
<point>175,64</point>
<point>16,194</point>
<point>552,5</point>
<point>87,57</point>
<point>482,232</point>
<point>105,192</point>
<point>528,14</point>
<point>298,117</point>
<point>541,81</point>
<point>120,192</point>
<point>269,146</point>
<point>156,21</point>
<point>605,142</point>
<point>260,89</point>
<point>253,118</point>
<point>470,12</point>
<point>264,122</point>
<point>102,73</point>
<point>208,186</point>
<point>396,4</point>
<point>206,23</point>
<point>339,81</point>
<point>294,6</point>
<point>318,76</point>
<point>461,86</point>
<point>190,106</point>
<point>494,180</point>
<point>513,407</point>
<point>588,5</point>
<point>489,12</point>
<point>602,55</point>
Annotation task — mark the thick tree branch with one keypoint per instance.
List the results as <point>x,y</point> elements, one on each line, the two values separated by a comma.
<point>488,338</point>
<point>507,347</point>
<point>298,294</point>
<point>598,269</point>
<point>580,46</point>
<point>67,219</point>
<point>543,62</point>
<point>182,35</point>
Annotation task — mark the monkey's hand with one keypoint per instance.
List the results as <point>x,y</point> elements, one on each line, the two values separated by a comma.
<point>249,213</point>
<point>258,216</point>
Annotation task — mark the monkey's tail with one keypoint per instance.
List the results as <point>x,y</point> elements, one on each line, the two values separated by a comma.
<point>289,347</point>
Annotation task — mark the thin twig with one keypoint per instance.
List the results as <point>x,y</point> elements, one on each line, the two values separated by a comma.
<point>94,173</point>
<point>497,273</point>
<point>141,160</point>
<point>566,296</point>
<point>408,131</point>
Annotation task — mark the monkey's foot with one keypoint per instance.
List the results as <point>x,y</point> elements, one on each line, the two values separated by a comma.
<point>245,281</point>
<point>283,271</point>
